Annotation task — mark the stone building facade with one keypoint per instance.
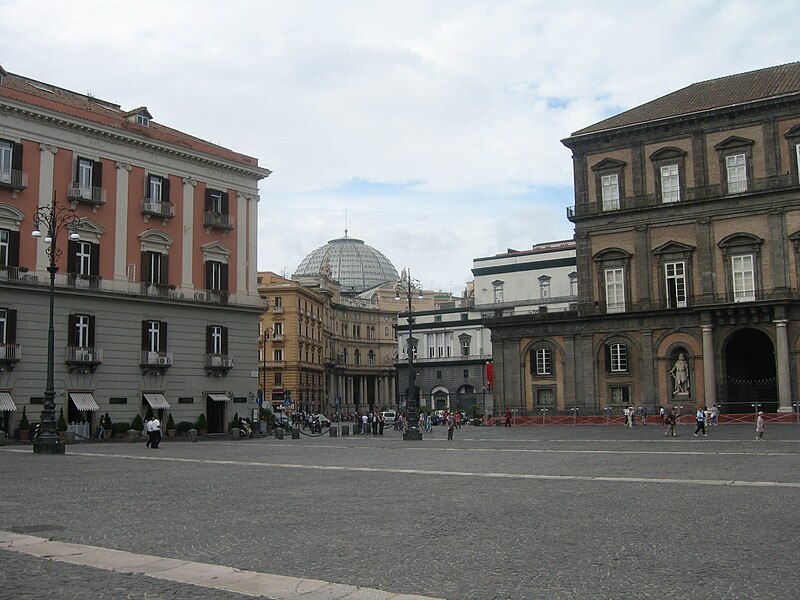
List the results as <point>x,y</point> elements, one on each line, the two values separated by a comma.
<point>156,303</point>
<point>687,230</point>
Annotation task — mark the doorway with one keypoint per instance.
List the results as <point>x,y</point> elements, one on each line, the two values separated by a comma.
<point>751,376</point>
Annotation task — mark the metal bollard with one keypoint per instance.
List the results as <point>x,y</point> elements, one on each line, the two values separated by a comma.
<point>295,433</point>
<point>279,433</point>
<point>332,432</point>
<point>345,430</point>
<point>193,435</point>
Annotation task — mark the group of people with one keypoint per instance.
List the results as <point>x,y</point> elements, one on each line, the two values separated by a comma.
<point>371,421</point>
<point>152,427</point>
<point>630,415</point>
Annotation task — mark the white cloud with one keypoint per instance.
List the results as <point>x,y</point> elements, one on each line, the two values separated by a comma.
<point>465,100</point>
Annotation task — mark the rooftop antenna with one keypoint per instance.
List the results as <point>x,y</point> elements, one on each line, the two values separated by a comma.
<point>345,222</point>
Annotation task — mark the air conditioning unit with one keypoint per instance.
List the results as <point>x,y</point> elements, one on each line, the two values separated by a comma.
<point>163,360</point>
<point>84,356</point>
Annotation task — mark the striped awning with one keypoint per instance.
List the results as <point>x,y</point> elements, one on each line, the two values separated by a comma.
<point>219,397</point>
<point>6,402</point>
<point>156,401</point>
<point>84,401</point>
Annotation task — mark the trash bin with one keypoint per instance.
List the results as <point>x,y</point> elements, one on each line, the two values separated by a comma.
<point>279,433</point>
<point>235,433</point>
<point>345,430</point>
<point>333,432</point>
<point>295,433</point>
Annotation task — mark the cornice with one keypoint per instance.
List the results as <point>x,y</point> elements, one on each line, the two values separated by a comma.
<point>114,135</point>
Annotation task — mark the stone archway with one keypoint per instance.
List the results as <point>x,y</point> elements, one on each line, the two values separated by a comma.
<point>750,372</point>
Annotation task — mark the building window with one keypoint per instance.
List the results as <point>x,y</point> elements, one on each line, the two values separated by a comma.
<point>88,177</point>
<point>465,341</point>
<point>357,357</point>
<point>743,280</point>
<point>217,276</point>
<point>610,191</point>
<point>5,247</point>
<point>615,290</point>
<point>277,355</point>
<point>617,358</point>
<point>737,173</point>
<point>437,318</point>
<point>157,189</point>
<point>670,184</point>
<point>277,330</point>
<point>466,373</point>
<point>216,339</point>
<point>573,284</point>
<point>11,164</point>
<point>545,396</point>
<point>371,358</point>
<point>544,286</point>
<point>83,258</point>
<point>155,267</point>
<point>543,362</point>
<point>81,331</point>
<point>278,378</point>
<point>154,336</point>
<point>143,120</point>
<point>438,374</point>
<point>741,253</point>
<point>620,396</point>
<point>498,292</point>
<point>675,276</point>
<point>8,322</point>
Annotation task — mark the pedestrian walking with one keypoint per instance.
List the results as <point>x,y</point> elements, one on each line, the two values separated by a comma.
<point>700,417</point>
<point>714,415</point>
<point>148,430</point>
<point>428,423</point>
<point>643,414</point>
<point>451,425</point>
<point>364,424</point>
<point>627,412</point>
<point>671,419</point>
<point>101,431</point>
<point>760,427</point>
<point>662,413</point>
<point>381,423</point>
<point>508,417</point>
<point>155,424</point>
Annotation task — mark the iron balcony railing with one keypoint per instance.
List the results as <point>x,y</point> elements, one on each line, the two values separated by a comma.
<point>219,361</point>
<point>13,179</point>
<point>162,209</point>
<point>84,355</point>
<point>89,194</point>
<point>10,352</point>
<point>150,358</point>
<point>217,220</point>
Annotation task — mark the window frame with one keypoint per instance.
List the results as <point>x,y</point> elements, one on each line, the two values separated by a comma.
<point>736,247</point>
<point>734,146</point>
<point>617,357</point>
<point>604,171</point>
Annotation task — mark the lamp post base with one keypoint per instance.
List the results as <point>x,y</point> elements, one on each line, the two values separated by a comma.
<point>413,434</point>
<point>48,444</point>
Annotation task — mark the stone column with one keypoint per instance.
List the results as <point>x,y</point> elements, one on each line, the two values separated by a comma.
<point>121,228</point>
<point>709,366</point>
<point>782,354</point>
<point>241,232</point>
<point>187,244</point>
<point>252,245</point>
<point>649,366</point>
<point>46,166</point>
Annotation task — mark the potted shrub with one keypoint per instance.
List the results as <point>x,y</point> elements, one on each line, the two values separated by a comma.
<point>202,424</point>
<point>61,426</point>
<point>24,426</point>
<point>170,426</point>
<point>120,429</point>
<point>137,424</point>
<point>235,421</point>
<point>184,427</point>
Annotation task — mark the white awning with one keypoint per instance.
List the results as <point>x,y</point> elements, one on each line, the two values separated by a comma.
<point>84,401</point>
<point>219,397</point>
<point>156,401</point>
<point>6,402</point>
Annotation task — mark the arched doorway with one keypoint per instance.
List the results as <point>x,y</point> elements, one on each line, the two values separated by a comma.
<point>750,370</point>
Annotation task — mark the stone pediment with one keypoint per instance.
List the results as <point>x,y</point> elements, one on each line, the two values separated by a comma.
<point>672,247</point>
<point>608,164</point>
<point>612,254</point>
<point>733,141</point>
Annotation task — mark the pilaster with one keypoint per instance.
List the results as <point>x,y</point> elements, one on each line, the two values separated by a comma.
<point>121,223</point>
<point>187,246</point>
<point>782,356</point>
<point>46,167</point>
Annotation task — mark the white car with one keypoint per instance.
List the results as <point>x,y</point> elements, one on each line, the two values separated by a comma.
<point>389,416</point>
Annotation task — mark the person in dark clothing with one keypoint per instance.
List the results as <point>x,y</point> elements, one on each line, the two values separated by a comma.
<point>451,425</point>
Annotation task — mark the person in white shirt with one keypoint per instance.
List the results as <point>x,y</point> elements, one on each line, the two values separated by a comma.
<point>155,429</point>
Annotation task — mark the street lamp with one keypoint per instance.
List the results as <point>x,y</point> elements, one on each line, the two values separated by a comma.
<point>407,288</point>
<point>574,410</point>
<point>53,219</point>
<point>544,412</point>
<point>608,410</point>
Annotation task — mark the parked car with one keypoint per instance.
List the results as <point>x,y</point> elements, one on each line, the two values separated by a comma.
<point>389,416</point>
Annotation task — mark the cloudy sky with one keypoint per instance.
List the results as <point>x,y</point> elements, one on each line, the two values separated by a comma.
<point>430,129</point>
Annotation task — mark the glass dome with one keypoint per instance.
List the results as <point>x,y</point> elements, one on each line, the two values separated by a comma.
<point>355,265</point>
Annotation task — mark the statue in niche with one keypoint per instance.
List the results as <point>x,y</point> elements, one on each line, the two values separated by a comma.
<point>680,374</point>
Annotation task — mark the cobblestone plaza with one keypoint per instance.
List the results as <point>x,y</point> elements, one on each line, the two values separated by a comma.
<point>521,512</point>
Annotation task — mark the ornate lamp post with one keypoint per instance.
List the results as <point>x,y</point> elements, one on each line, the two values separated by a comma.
<point>406,288</point>
<point>53,219</point>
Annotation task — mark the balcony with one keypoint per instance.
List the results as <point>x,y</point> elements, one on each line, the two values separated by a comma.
<point>161,209</point>
<point>218,365</point>
<point>13,180</point>
<point>155,360</point>
<point>159,290</point>
<point>95,196</point>
<point>217,220</point>
<point>84,357</point>
<point>10,354</point>
<point>275,364</point>
<point>277,309</point>
<point>17,275</point>
<point>277,337</point>
<point>212,296</point>
<point>86,282</point>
